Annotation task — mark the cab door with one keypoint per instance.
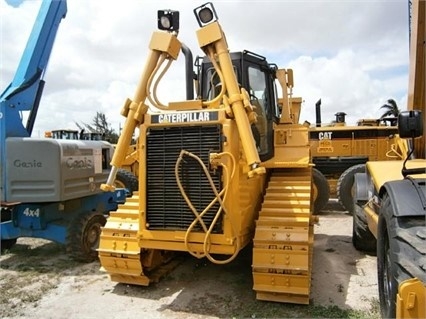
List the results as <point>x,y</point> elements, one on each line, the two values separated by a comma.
<point>258,86</point>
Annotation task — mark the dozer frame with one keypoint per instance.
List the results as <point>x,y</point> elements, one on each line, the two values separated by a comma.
<point>217,172</point>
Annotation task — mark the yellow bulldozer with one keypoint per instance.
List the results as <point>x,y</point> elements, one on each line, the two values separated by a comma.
<point>218,172</point>
<point>339,151</point>
<point>221,171</point>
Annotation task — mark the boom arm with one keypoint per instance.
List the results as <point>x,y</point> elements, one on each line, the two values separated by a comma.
<point>24,92</point>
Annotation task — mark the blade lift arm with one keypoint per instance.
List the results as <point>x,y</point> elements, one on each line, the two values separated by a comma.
<point>213,42</point>
<point>163,46</point>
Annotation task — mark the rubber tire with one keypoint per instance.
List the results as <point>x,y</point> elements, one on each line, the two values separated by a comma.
<point>84,236</point>
<point>362,238</point>
<point>400,251</point>
<point>126,179</point>
<point>344,186</point>
<point>7,244</point>
<point>322,190</point>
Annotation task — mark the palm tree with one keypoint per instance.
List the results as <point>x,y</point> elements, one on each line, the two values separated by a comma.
<point>391,109</point>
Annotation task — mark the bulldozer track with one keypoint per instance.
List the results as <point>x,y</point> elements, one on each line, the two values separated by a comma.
<point>119,251</point>
<point>120,254</point>
<point>283,241</point>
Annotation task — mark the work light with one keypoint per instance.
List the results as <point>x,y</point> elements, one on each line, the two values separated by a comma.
<point>205,14</point>
<point>168,20</point>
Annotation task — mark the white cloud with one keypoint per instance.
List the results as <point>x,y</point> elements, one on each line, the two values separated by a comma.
<point>345,85</point>
<point>351,54</point>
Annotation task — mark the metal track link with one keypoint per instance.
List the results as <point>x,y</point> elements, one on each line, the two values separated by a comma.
<point>283,241</point>
<point>122,257</point>
<point>119,251</point>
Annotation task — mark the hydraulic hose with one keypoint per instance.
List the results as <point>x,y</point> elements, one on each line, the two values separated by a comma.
<point>399,149</point>
<point>199,216</point>
<point>210,54</point>
<point>158,104</point>
<point>154,101</point>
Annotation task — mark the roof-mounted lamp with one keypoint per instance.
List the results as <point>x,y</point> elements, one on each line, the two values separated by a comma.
<point>168,20</point>
<point>205,14</point>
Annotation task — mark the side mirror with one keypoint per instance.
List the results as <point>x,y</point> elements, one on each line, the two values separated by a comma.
<point>410,124</point>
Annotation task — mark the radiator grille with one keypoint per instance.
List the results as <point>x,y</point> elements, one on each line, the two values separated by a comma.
<point>166,208</point>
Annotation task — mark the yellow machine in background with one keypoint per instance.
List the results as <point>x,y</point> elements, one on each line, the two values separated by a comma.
<point>339,151</point>
<point>389,210</point>
<point>217,172</point>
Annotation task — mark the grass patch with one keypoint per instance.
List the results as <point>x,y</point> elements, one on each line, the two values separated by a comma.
<point>336,312</point>
<point>277,310</point>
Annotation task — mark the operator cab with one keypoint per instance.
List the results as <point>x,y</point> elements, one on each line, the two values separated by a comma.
<point>256,76</point>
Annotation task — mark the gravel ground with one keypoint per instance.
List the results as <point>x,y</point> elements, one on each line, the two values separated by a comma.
<point>37,280</point>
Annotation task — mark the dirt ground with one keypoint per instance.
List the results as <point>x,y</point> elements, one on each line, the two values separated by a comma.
<point>37,280</point>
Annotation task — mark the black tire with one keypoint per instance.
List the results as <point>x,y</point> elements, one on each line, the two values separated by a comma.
<point>126,179</point>
<point>84,236</point>
<point>321,191</point>
<point>400,251</point>
<point>344,186</point>
<point>7,244</point>
<point>362,238</point>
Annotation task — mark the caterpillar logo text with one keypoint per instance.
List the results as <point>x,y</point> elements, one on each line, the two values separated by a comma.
<point>324,135</point>
<point>185,117</point>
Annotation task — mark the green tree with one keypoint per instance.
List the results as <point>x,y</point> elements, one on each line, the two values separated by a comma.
<point>100,125</point>
<point>391,109</point>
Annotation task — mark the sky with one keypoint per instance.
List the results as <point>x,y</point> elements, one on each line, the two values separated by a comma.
<point>353,54</point>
